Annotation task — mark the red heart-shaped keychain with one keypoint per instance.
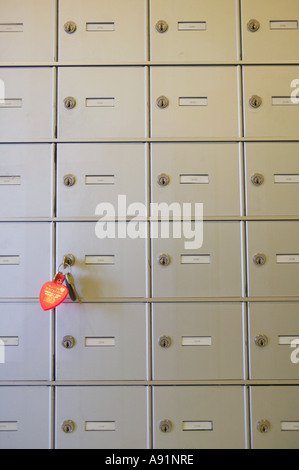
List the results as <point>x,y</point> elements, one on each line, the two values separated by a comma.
<point>53,293</point>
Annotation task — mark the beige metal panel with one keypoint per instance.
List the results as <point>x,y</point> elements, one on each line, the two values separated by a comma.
<point>273,258</point>
<point>106,30</point>
<point>270,110</point>
<point>274,35</point>
<point>102,417</point>
<point>272,178</point>
<point>274,338</point>
<point>196,30</point>
<point>26,180</point>
<point>24,330</point>
<point>213,270</point>
<point>202,102</point>
<point>274,417</point>
<point>110,342</point>
<point>198,341</point>
<point>25,418</point>
<point>102,265</point>
<point>103,98</point>
<point>198,173</point>
<point>199,417</point>
<point>25,258</point>
<point>26,112</point>
<point>101,173</point>
<point>27,31</point>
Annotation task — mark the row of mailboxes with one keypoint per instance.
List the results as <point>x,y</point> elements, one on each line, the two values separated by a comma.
<point>186,102</point>
<point>188,259</point>
<point>117,417</point>
<point>117,174</point>
<point>114,30</point>
<point>189,341</point>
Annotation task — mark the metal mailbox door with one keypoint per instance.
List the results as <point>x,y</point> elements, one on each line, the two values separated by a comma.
<point>274,417</point>
<point>199,417</point>
<point>273,258</point>
<point>274,340</point>
<point>24,330</point>
<point>102,30</point>
<point>270,108</point>
<point>194,102</point>
<point>213,270</point>
<point>95,102</point>
<point>198,341</point>
<point>197,173</point>
<point>272,179</point>
<point>102,264</point>
<point>270,30</point>
<point>28,95</point>
<point>25,254</point>
<point>26,180</point>
<point>25,418</point>
<point>92,174</point>
<point>191,31</point>
<point>107,417</point>
<point>27,31</point>
<point>101,342</point>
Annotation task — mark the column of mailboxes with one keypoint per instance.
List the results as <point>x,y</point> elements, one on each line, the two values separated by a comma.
<point>50,190</point>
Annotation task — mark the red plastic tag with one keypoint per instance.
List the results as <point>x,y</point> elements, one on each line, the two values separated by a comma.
<point>53,293</point>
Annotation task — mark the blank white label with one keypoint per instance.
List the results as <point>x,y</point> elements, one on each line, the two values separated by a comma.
<point>10,180</point>
<point>100,102</point>
<point>287,258</point>
<point>9,341</point>
<point>11,103</point>
<point>289,425</point>
<point>195,259</point>
<point>9,260</point>
<point>196,341</point>
<point>284,24</point>
<point>99,179</point>
<point>192,25</point>
<point>99,259</point>
<point>194,179</point>
<point>284,101</point>
<point>100,27</point>
<point>287,340</point>
<point>11,27</point>
<point>286,178</point>
<point>99,342</point>
<point>100,426</point>
<point>8,426</point>
<point>197,425</point>
<point>193,101</point>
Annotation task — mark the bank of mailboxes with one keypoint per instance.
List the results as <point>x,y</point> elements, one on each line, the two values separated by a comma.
<point>273,340</point>
<point>25,417</point>
<point>274,417</point>
<point>199,417</point>
<point>25,258</point>
<point>271,107</point>
<point>102,417</point>
<point>26,103</point>
<point>27,31</point>
<point>273,258</point>
<point>268,30</point>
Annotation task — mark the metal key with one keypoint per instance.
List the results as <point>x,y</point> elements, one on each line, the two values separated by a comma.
<point>70,283</point>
